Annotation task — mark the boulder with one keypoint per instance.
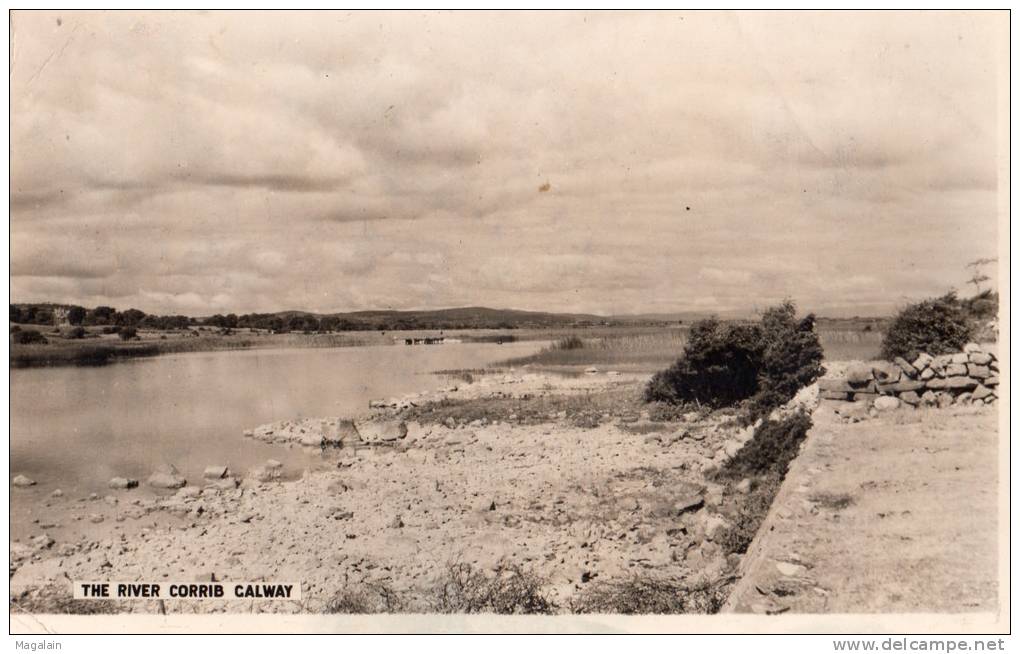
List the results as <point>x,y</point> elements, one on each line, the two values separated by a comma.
<point>955,369</point>
<point>911,398</point>
<point>908,385</point>
<point>971,347</point>
<point>342,432</point>
<point>905,366</point>
<point>377,431</point>
<point>922,361</point>
<point>980,372</point>
<point>23,481</point>
<point>981,392</point>
<point>189,492</point>
<point>227,483</point>
<point>122,483</point>
<point>858,373</point>
<point>959,357</point>
<point>961,382</point>
<point>928,398</point>
<point>886,372</point>
<point>311,439</point>
<point>887,403</point>
<point>926,374</point>
<point>166,476</point>
<point>938,383</point>
<point>215,472</point>
<point>854,411</point>
<point>789,569</point>
<point>980,358</point>
<point>265,473</point>
<point>944,399</point>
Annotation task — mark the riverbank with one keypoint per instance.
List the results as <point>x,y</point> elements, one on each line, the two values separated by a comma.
<point>575,489</point>
<point>895,514</point>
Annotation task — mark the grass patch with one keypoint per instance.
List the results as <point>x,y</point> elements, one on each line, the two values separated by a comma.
<point>366,598</point>
<point>57,599</point>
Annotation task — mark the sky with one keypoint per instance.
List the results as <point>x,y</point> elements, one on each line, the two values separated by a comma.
<point>610,163</point>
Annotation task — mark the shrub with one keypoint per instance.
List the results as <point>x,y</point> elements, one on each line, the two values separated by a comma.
<point>510,591</point>
<point>569,343</point>
<point>369,597</point>
<point>75,333</point>
<point>774,445</point>
<point>723,364</point>
<point>27,337</point>
<point>936,326</point>
<point>648,595</point>
<point>127,333</point>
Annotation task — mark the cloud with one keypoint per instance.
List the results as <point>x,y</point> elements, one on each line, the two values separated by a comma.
<point>339,160</point>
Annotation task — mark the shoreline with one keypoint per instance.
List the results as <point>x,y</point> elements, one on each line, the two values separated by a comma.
<point>576,502</point>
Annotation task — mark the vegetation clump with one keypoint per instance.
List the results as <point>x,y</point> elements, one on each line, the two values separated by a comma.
<point>764,460</point>
<point>940,325</point>
<point>510,590</point>
<point>649,595</point>
<point>765,363</point>
<point>27,337</point>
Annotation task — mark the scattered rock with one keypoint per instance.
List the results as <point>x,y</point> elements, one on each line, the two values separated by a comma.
<point>166,476</point>
<point>744,486</point>
<point>887,403</point>
<point>376,431</point>
<point>122,483</point>
<point>23,481</point>
<point>215,472</point>
<point>789,569</point>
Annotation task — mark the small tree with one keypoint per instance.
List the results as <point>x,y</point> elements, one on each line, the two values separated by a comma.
<point>76,315</point>
<point>127,333</point>
<point>936,326</point>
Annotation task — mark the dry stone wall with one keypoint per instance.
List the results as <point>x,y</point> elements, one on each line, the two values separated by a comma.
<point>967,377</point>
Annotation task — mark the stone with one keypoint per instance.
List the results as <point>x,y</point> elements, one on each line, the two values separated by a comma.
<point>397,523</point>
<point>886,372</point>
<point>227,483</point>
<point>938,383</point>
<point>714,526</point>
<point>592,370</point>
<point>971,347</point>
<point>858,373</point>
<point>992,381</point>
<point>959,357</point>
<point>979,372</point>
<point>926,374</point>
<point>980,358</point>
<point>963,382</point>
<point>166,476</point>
<point>23,481</point>
<point>905,366</point>
<point>789,569</point>
<point>732,447</point>
<point>189,492</point>
<point>941,361</point>
<point>928,398</point>
<point>688,503</point>
<point>887,403</point>
<point>854,411</point>
<point>43,541</point>
<point>963,398</point>
<point>376,431</point>
<point>956,369</point>
<point>922,361</point>
<point>744,486</point>
<point>911,398</point>
<point>311,439</point>
<point>95,518</point>
<point>273,464</point>
<point>122,483</point>
<point>908,385</point>
<point>865,397</point>
<point>944,399</point>
<point>265,473</point>
<point>57,493</point>
<point>834,395</point>
<point>215,472</point>
<point>981,392</point>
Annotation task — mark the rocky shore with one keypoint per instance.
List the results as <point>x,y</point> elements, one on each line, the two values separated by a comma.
<point>406,495</point>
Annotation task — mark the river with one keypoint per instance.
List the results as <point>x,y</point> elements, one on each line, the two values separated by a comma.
<point>75,428</point>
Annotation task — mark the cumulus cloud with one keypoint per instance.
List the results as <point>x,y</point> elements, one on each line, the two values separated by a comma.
<point>202,161</point>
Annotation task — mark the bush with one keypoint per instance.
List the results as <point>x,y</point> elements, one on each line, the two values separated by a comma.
<point>723,364</point>
<point>27,337</point>
<point>75,333</point>
<point>510,591</point>
<point>936,326</point>
<point>127,333</point>
<point>366,598</point>
<point>569,343</point>
<point>647,595</point>
<point>774,445</point>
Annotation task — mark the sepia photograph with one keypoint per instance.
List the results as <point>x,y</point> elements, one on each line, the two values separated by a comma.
<point>336,321</point>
